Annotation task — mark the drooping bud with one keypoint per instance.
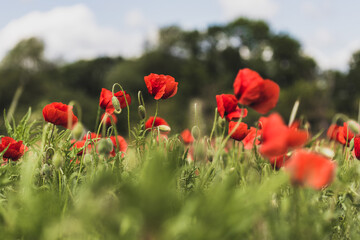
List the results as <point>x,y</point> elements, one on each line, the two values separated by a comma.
<point>164,128</point>
<point>221,122</point>
<point>354,126</point>
<point>78,130</point>
<point>195,132</point>
<point>116,104</point>
<point>104,146</point>
<point>142,112</point>
<point>45,170</point>
<point>57,160</point>
<point>87,159</point>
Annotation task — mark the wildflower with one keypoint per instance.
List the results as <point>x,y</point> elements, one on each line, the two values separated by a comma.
<point>159,122</point>
<point>277,138</point>
<point>80,145</point>
<point>357,147</point>
<point>187,137</point>
<point>341,134</point>
<point>227,106</point>
<point>106,100</point>
<point>310,169</point>
<point>252,90</point>
<point>278,161</point>
<point>252,138</point>
<point>58,113</point>
<point>92,136</point>
<point>109,118</point>
<point>14,150</point>
<point>119,144</point>
<point>161,86</point>
<point>240,132</point>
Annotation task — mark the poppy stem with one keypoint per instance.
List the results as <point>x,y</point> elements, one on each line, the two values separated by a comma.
<point>156,112</point>
<point>214,124</point>
<point>127,106</point>
<point>52,132</point>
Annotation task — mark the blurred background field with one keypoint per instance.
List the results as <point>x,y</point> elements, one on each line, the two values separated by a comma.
<point>204,60</point>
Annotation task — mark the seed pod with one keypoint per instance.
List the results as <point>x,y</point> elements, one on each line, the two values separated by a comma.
<point>45,170</point>
<point>142,112</point>
<point>87,159</point>
<point>116,104</point>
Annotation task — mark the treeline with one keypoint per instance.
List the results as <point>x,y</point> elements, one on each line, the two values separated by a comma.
<point>204,63</point>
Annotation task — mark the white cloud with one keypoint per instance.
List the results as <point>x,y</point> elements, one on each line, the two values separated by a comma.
<point>263,9</point>
<point>71,33</point>
<point>338,59</point>
<point>135,18</point>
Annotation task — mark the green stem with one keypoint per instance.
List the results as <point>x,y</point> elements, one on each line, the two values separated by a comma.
<point>127,106</point>
<point>214,124</point>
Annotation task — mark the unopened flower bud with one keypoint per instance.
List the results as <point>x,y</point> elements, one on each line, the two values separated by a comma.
<point>104,146</point>
<point>87,159</point>
<point>116,104</point>
<point>164,128</point>
<point>78,130</point>
<point>57,160</point>
<point>221,122</point>
<point>195,132</point>
<point>326,152</point>
<point>45,170</point>
<point>353,126</point>
<point>142,112</point>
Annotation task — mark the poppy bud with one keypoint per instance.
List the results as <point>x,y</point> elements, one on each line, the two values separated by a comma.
<point>78,130</point>
<point>221,122</point>
<point>164,128</point>
<point>104,146</point>
<point>354,126</point>
<point>45,170</point>
<point>57,160</point>
<point>116,104</point>
<point>327,152</point>
<point>142,112</point>
<point>87,159</point>
<point>195,132</point>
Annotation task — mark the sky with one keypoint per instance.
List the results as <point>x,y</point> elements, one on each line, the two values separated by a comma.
<point>72,30</point>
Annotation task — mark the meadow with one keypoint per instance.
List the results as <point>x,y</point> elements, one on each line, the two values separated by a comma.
<point>267,180</point>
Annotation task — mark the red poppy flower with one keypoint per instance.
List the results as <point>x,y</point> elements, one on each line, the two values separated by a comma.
<point>161,86</point>
<point>357,147</point>
<point>58,113</point>
<point>277,138</point>
<point>80,145</point>
<point>159,122</point>
<point>119,144</point>
<point>310,169</point>
<point>108,119</point>
<point>278,161</point>
<point>252,90</point>
<point>106,100</point>
<point>252,138</point>
<point>240,132</point>
<point>342,134</point>
<point>92,136</point>
<point>227,106</point>
<point>15,149</point>
<point>187,136</point>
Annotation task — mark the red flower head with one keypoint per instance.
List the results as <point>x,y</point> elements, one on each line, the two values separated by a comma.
<point>252,138</point>
<point>357,147</point>
<point>187,137</point>
<point>108,119</point>
<point>80,145</point>
<point>161,86</point>
<point>255,92</point>
<point>58,113</point>
<point>310,169</point>
<point>240,132</point>
<point>342,134</point>
<point>120,144</point>
<point>15,149</point>
<point>159,122</point>
<point>278,161</point>
<point>106,100</point>
<point>227,106</point>
<point>92,136</point>
<point>277,138</point>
